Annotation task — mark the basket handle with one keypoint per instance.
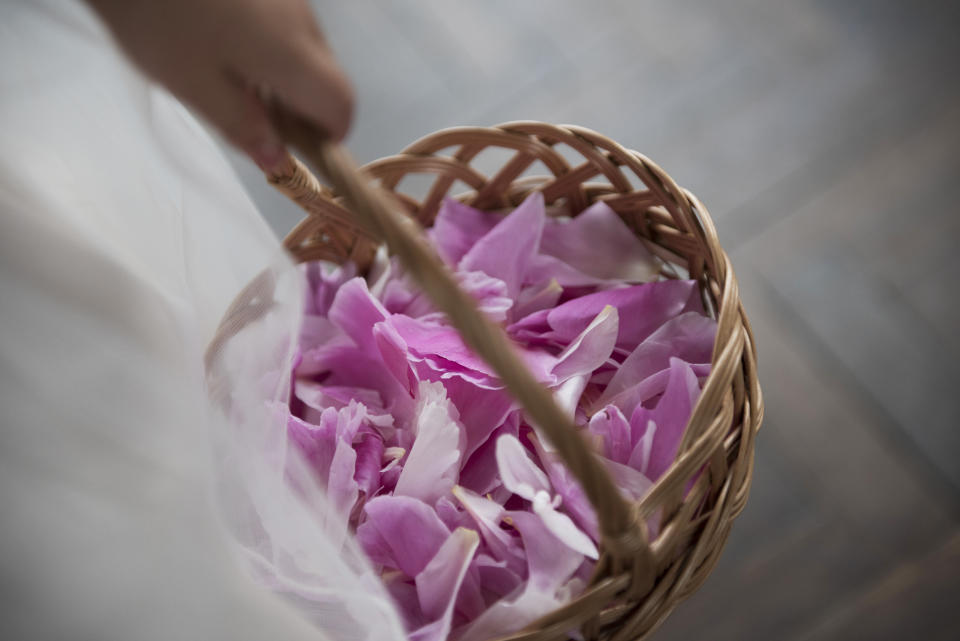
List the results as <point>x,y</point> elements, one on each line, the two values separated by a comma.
<point>623,535</point>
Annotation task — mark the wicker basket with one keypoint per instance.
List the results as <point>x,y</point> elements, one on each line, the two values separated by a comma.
<point>638,581</point>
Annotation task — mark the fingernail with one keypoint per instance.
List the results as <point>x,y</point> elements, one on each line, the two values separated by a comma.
<point>269,156</point>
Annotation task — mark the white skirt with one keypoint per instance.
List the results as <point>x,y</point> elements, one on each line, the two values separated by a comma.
<point>129,509</point>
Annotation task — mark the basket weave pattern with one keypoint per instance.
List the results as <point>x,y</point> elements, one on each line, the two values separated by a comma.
<point>715,458</point>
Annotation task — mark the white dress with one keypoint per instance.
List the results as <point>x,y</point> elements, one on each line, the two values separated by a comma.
<point>124,235</point>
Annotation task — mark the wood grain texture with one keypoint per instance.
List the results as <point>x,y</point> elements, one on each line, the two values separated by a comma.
<point>823,136</point>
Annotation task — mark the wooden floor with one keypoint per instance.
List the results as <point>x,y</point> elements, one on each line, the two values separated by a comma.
<point>824,136</point>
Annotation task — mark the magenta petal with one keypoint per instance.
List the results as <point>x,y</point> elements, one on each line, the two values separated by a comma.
<point>401,532</point>
<point>458,227</point>
<point>688,337</point>
<point>614,430</point>
<point>424,339</point>
<point>480,473</point>
<point>505,252</point>
<point>671,415</point>
<point>622,257</point>
<point>393,351</point>
<point>641,310</point>
<point>647,389</point>
<point>356,311</point>
<point>432,468</point>
<point>487,515</point>
<point>369,449</point>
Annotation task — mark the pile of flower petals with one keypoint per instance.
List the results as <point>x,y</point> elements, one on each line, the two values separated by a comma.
<point>477,526</point>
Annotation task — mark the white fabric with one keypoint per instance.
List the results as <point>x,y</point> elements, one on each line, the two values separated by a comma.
<point>124,235</point>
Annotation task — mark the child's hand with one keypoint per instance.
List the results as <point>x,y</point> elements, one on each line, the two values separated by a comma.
<point>212,54</point>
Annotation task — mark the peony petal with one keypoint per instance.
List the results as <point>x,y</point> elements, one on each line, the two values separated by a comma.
<point>432,468</point>
<point>355,311</point>
<point>458,227</point>
<point>688,337</point>
<point>401,532</point>
<point>480,473</point>
<point>641,310</point>
<point>550,561</point>
<point>575,242</point>
<point>648,389</point>
<point>563,527</point>
<point>671,415</point>
<point>613,428</point>
<point>440,581</point>
<point>481,410</point>
<point>535,298</point>
<point>591,348</point>
<point>505,252</point>
<point>550,566</point>
<point>393,351</point>
<point>486,515</point>
<point>519,473</point>
<point>369,449</point>
<point>489,292</point>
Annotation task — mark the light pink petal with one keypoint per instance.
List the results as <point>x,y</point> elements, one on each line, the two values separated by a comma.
<point>458,227</point>
<point>598,243</point>
<point>591,348</point>
<point>505,252</point>
<point>489,292</point>
<point>401,532</point>
<point>433,466</point>
<point>575,501</point>
<point>439,583</point>
<point>563,527</point>
<point>633,483</point>
<point>519,473</point>
<point>551,562</point>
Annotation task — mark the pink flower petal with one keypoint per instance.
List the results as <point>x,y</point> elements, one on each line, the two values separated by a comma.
<point>641,310</point>
<point>432,468</point>
<point>440,581</point>
<point>519,473</point>
<point>671,415</point>
<point>505,252</point>
<point>598,243</point>
<point>591,348</point>
<point>458,227</point>
<point>355,311</point>
<point>614,430</point>
<point>688,337</point>
<point>401,532</point>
